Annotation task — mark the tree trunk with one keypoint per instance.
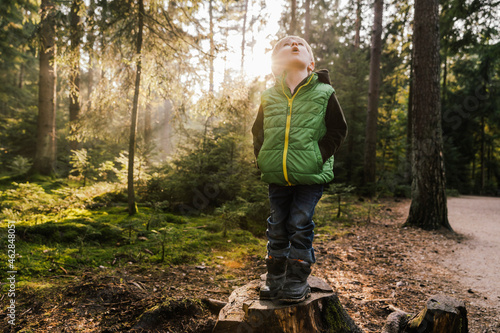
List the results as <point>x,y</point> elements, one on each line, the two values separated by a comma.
<point>489,161</point>
<point>481,157</point>
<point>103,40</point>
<point>148,129</point>
<point>428,208</point>
<point>133,127</point>
<point>45,156</point>
<point>357,25</point>
<point>445,76</point>
<point>409,126</point>
<point>373,96</point>
<point>307,19</point>
<point>322,312</point>
<point>20,84</point>
<point>473,170</point>
<point>74,75</point>
<point>293,18</point>
<point>91,40</point>
<point>212,48</point>
<point>165,128</point>
<point>243,40</point>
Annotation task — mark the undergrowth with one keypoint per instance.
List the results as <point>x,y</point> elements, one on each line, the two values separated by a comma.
<point>63,229</point>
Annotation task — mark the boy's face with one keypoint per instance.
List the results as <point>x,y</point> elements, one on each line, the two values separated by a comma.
<point>293,54</point>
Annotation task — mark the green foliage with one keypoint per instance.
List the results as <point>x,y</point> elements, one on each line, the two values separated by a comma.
<point>215,165</point>
<point>131,224</point>
<point>402,191</point>
<point>19,76</point>
<point>209,131</point>
<point>141,175</point>
<point>109,198</point>
<point>251,216</point>
<point>80,163</point>
<point>340,190</point>
<point>26,198</point>
<point>20,164</point>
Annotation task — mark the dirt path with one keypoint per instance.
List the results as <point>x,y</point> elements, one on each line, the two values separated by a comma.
<point>477,260</point>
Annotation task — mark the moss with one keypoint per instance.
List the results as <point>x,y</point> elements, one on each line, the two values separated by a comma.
<point>334,316</point>
<point>108,198</point>
<point>71,238</point>
<point>71,231</point>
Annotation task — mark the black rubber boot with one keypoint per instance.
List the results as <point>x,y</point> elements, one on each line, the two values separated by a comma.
<point>296,289</point>
<point>276,273</point>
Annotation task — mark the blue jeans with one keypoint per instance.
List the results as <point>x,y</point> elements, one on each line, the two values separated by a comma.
<point>290,228</point>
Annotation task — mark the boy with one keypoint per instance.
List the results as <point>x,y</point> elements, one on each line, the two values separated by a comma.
<point>299,127</point>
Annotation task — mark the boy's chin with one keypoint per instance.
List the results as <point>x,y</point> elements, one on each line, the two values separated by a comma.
<point>296,65</point>
<point>280,70</point>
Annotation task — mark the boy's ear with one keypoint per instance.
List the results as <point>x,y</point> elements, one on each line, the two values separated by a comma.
<point>311,66</point>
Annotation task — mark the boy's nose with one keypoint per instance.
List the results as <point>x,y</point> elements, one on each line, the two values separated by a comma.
<point>295,43</point>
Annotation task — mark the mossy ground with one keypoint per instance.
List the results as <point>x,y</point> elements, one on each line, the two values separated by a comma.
<point>61,238</point>
<point>108,237</point>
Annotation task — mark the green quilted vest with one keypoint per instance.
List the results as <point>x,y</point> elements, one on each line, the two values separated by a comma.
<point>293,125</point>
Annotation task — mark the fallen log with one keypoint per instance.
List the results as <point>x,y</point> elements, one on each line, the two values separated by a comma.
<point>442,314</point>
<point>321,312</point>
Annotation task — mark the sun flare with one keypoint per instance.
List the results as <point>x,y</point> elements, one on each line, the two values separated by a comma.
<point>257,60</point>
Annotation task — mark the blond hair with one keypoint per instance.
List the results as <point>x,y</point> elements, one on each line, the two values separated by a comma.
<point>279,45</point>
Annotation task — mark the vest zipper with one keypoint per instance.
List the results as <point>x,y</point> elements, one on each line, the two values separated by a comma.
<point>287,128</point>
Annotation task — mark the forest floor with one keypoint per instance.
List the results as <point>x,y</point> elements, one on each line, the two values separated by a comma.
<point>380,263</point>
<point>371,263</point>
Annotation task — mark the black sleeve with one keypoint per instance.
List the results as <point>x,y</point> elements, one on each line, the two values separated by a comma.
<point>258,132</point>
<point>336,129</point>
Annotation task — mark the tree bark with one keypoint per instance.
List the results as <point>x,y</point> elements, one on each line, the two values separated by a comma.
<point>166,128</point>
<point>357,25</point>
<point>243,40</point>
<point>409,126</point>
<point>293,18</point>
<point>74,75</point>
<point>445,76</point>
<point>373,96</point>
<point>91,40</point>
<point>481,156</point>
<point>484,70</point>
<point>132,209</point>
<point>20,84</point>
<point>212,47</point>
<point>428,208</point>
<point>45,156</point>
<point>307,20</point>
<point>148,128</point>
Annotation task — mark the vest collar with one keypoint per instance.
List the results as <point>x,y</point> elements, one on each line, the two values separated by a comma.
<point>308,81</point>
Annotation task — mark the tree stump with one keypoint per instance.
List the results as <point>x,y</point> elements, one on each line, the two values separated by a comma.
<point>321,312</point>
<point>442,314</point>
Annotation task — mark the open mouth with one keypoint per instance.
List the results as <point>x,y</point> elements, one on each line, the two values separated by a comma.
<point>295,49</point>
